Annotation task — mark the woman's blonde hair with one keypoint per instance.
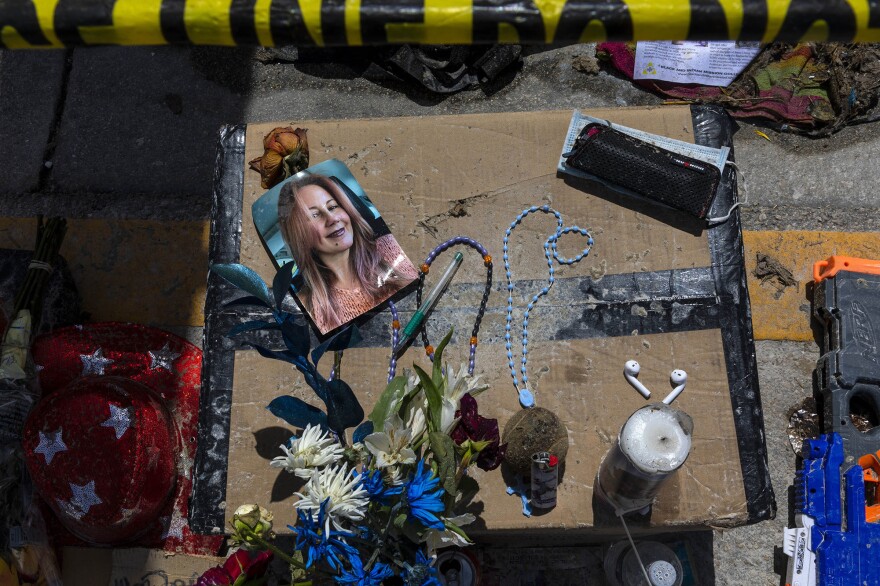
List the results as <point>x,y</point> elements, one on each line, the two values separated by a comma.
<point>301,238</point>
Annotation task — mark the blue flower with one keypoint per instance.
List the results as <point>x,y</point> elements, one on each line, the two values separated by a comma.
<point>421,573</point>
<point>321,545</point>
<point>357,576</point>
<point>424,504</point>
<point>362,532</point>
<point>375,485</point>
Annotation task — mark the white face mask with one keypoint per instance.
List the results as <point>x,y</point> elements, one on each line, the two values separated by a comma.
<point>709,155</point>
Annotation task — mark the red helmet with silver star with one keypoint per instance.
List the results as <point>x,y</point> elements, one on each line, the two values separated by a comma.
<point>110,447</point>
<point>103,457</point>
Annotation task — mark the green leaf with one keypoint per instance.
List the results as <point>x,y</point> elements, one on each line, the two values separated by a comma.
<point>444,455</point>
<point>390,397</point>
<point>411,531</point>
<point>435,400</point>
<point>408,398</point>
<point>467,490</point>
<point>297,572</point>
<point>399,520</point>
<point>438,362</point>
<point>456,529</point>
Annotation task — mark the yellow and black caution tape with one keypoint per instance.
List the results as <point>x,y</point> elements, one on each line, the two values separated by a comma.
<point>60,23</point>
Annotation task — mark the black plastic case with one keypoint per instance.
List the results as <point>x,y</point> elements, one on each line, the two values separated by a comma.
<point>651,172</point>
<point>847,306</point>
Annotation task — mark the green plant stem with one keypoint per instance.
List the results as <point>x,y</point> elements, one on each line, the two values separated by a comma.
<point>421,442</point>
<point>458,530</point>
<point>463,466</point>
<point>337,364</point>
<point>275,550</point>
<point>375,555</point>
<point>49,238</point>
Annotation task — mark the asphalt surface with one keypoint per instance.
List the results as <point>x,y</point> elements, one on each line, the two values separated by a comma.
<point>131,133</point>
<point>93,131</point>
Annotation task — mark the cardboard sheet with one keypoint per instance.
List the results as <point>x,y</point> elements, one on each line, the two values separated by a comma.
<point>439,177</point>
<point>84,566</point>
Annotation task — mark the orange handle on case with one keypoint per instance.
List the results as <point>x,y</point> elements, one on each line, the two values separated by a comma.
<point>824,269</point>
<point>871,474</point>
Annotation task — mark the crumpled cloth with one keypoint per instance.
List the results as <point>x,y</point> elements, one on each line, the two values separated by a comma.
<point>815,89</point>
<point>441,69</point>
<point>446,69</point>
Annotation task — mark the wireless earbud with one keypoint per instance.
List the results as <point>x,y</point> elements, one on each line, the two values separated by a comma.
<point>678,378</point>
<point>630,372</point>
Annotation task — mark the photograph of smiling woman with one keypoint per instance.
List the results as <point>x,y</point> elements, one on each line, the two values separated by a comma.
<point>346,269</point>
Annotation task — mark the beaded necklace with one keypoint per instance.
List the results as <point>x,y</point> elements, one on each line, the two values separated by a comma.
<point>526,397</point>
<point>395,333</point>
<point>424,269</point>
<point>487,261</point>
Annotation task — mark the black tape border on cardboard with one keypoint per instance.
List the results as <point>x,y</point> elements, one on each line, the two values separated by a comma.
<point>715,128</point>
<point>206,514</point>
<point>727,306</point>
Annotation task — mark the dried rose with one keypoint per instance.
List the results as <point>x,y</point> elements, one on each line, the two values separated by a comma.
<point>285,152</point>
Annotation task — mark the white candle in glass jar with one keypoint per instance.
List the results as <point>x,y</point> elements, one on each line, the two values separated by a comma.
<point>653,443</point>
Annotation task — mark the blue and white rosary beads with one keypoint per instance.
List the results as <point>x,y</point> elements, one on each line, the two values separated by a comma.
<point>526,397</point>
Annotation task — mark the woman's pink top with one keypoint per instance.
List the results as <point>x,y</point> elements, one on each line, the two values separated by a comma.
<point>351,303</point>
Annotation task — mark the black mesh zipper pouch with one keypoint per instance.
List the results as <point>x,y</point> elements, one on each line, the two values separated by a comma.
<point>618,159</point>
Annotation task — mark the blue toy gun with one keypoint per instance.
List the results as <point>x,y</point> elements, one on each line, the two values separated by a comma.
<point>822,552</point>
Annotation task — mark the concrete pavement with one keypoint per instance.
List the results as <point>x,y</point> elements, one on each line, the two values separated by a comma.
<point>130,133</point>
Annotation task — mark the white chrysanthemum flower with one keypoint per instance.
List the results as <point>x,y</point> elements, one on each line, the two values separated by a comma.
<point>391,447</point>
<point>314,449</point>
<point>459,383</point>
<point>346,497</point>
<point>435,539</point>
